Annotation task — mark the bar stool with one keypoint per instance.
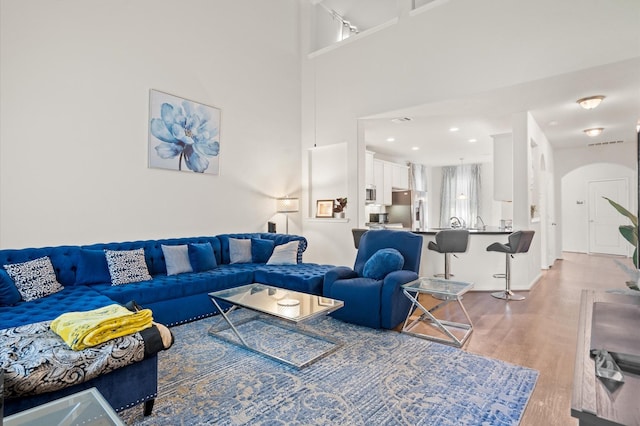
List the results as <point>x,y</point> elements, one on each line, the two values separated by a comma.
<point>357,234</point>
<point>449,241</point>
<point>519,242</point>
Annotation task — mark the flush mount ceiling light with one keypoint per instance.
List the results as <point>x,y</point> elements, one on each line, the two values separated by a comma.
<point>415,148</point>
<point>593,132</point>
<point>590,102</point>
<point>473,140</point>
<point>453,129</point>
<point>391,139</point>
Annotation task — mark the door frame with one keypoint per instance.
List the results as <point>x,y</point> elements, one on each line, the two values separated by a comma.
<point>624,202</point>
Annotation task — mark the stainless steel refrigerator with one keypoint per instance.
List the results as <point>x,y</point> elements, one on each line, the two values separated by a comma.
<point>408,208</point>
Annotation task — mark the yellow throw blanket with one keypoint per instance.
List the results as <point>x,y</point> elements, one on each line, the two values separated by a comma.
<point>81,330</point>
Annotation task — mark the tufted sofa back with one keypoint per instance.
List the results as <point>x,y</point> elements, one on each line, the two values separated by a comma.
<point>153,249</point>
<point>64,259</point>
<point>277,238</point>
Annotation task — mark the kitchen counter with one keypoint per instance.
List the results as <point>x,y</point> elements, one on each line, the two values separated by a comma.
<point>489,230</point>
<point>477,265</point>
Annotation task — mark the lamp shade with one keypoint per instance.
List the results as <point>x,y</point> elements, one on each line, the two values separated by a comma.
<point>287,205</point>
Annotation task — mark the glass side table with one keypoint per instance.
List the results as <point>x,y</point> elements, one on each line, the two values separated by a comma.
<point>447,291</point>
<point>87,407</point>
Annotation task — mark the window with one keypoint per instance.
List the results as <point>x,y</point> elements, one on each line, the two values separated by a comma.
<point>460,195</point>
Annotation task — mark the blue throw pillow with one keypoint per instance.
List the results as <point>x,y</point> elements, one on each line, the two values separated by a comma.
<point>201,257</point>
<point>92,268</point>
<point>261,250</point>
<point>382,262</point>
<point>9,294</point>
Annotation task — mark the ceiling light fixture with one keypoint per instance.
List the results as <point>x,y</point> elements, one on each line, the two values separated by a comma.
<point>473,140</point>
<point>590,102</point>
<point>415,148</point>
<point>593,132</point>
<point>391,139</point>
<point>453,129</point>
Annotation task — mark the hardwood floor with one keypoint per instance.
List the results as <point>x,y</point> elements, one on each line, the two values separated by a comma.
<point>541,331</point>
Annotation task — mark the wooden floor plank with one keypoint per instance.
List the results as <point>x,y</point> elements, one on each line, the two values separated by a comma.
<point>539,332</point>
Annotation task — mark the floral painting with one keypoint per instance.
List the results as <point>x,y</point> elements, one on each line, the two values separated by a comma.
<point>183,135</point>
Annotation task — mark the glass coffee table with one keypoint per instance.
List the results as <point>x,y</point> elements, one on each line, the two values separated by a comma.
<point>446,291</point>
<point>273,327</point>
<point>87,407</point>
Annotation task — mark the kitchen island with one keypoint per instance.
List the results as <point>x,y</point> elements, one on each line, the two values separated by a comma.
<point>476,265</point>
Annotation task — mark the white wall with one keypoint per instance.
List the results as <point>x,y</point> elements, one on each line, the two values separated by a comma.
<point>573,168</point>
<point>459,47</point>
<point>74,82</point>
<point>575,201</point>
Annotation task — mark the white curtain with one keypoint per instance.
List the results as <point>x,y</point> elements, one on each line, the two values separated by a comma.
<point>417,177</point>
<point>460,194</point>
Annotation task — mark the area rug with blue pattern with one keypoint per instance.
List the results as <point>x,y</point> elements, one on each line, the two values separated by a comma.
<point>376,377</point>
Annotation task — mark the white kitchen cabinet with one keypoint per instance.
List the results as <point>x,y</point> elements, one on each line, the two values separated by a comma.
<point>388,183</point>
<point>400,177</point>
<point>369,180</point>
<point>383,177</point>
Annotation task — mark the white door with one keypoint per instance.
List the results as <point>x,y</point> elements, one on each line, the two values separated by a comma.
<point>604,220</point>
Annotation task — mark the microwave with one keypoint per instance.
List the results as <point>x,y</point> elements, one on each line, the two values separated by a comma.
<point>370,195</point>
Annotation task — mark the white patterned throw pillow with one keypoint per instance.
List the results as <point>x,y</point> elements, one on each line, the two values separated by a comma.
<point>34,279</point>
<point>127,266</point>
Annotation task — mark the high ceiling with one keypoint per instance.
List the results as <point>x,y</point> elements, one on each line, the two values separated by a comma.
<point>552,103</point>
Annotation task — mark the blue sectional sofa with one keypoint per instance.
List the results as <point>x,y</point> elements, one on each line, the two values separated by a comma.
<point>174,299</point>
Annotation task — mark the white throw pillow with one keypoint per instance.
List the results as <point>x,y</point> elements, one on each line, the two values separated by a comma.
<point>34,279</point>
<point>177,259</point>
<point>239,250</point>
<point>127,266</point>
<point>285,254</point>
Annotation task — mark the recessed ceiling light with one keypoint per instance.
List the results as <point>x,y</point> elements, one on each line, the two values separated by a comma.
<point>595,131</point>
<point>453,129</point>
<point>391,139</point>
<point>473,140</point>
<point>590,102</point>
<point>415,148</point>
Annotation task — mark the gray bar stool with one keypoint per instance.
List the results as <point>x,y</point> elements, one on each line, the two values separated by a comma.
<point>357,234</point>
<point>449,241</point>
<point>519,242</point>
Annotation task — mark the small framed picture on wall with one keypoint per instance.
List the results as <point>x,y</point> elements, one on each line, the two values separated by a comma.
<point>324,208</point>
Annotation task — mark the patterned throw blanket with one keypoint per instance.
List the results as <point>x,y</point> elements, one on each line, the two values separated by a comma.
<point>82,330</point>
<point>36,360</point>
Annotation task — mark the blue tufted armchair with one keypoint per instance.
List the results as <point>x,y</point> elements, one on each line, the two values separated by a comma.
<point>376,303</point>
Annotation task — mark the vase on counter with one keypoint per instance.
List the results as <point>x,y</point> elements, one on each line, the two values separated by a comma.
<point>338,215</point>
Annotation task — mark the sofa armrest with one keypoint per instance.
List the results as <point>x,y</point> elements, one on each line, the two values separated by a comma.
<point>394,304</point>
<point>336,274</point>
